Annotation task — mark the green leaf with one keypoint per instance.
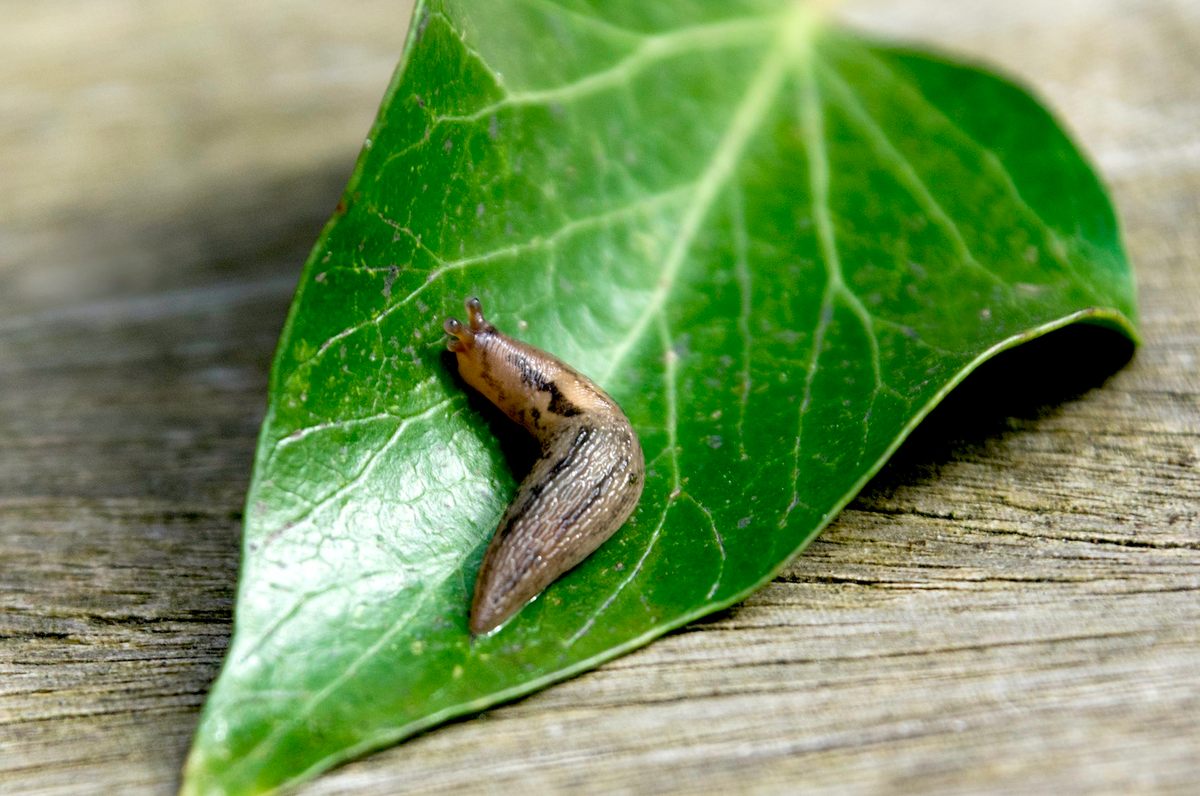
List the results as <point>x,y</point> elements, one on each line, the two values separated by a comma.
<point>776,244</point>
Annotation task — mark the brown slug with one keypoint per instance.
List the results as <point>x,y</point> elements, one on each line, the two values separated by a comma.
<point>582,489</point>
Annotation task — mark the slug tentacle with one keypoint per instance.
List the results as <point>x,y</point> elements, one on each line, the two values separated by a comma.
<point>463,338</point>
<point>581,490</point>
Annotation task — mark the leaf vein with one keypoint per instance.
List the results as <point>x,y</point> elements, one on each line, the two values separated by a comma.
<point>813,131</point>
<point>670,377</point>
<point>368,467</point>
<point>653,50</point>
<point>535,244</point>
<point>903,169</point>
<point>741,270</point>
<point>1054,244</point>
<point>609,28</point>
<point>745,121</point>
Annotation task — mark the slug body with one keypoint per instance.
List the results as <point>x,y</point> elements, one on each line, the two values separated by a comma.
<point>582,489</point>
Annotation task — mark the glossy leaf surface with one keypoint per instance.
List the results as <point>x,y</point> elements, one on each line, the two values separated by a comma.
<point>776,244</point>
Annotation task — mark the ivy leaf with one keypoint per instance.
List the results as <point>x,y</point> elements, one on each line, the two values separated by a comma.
<point>776,244</point>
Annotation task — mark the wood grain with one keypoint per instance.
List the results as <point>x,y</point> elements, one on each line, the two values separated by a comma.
<point>1012,605</point>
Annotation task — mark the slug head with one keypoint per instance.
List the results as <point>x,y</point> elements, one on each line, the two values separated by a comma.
<point>463,335</point>
<point>474,342</point>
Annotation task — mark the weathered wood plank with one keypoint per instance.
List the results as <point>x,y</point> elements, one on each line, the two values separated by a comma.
<point>1012,605</point>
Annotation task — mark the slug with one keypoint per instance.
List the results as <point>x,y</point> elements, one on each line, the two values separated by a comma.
<point>580,491</point>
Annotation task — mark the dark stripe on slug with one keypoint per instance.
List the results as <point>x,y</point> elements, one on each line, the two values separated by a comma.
<point>559,404</point>
<point>530,493</point>
<point>581,437</point>
<point>485,371</point>
<point>531,375</point>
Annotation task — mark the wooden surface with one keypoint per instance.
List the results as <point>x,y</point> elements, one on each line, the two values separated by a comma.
<point>1013,605</point>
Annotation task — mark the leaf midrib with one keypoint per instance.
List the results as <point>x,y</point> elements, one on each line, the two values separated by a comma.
<point>791,43</point>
